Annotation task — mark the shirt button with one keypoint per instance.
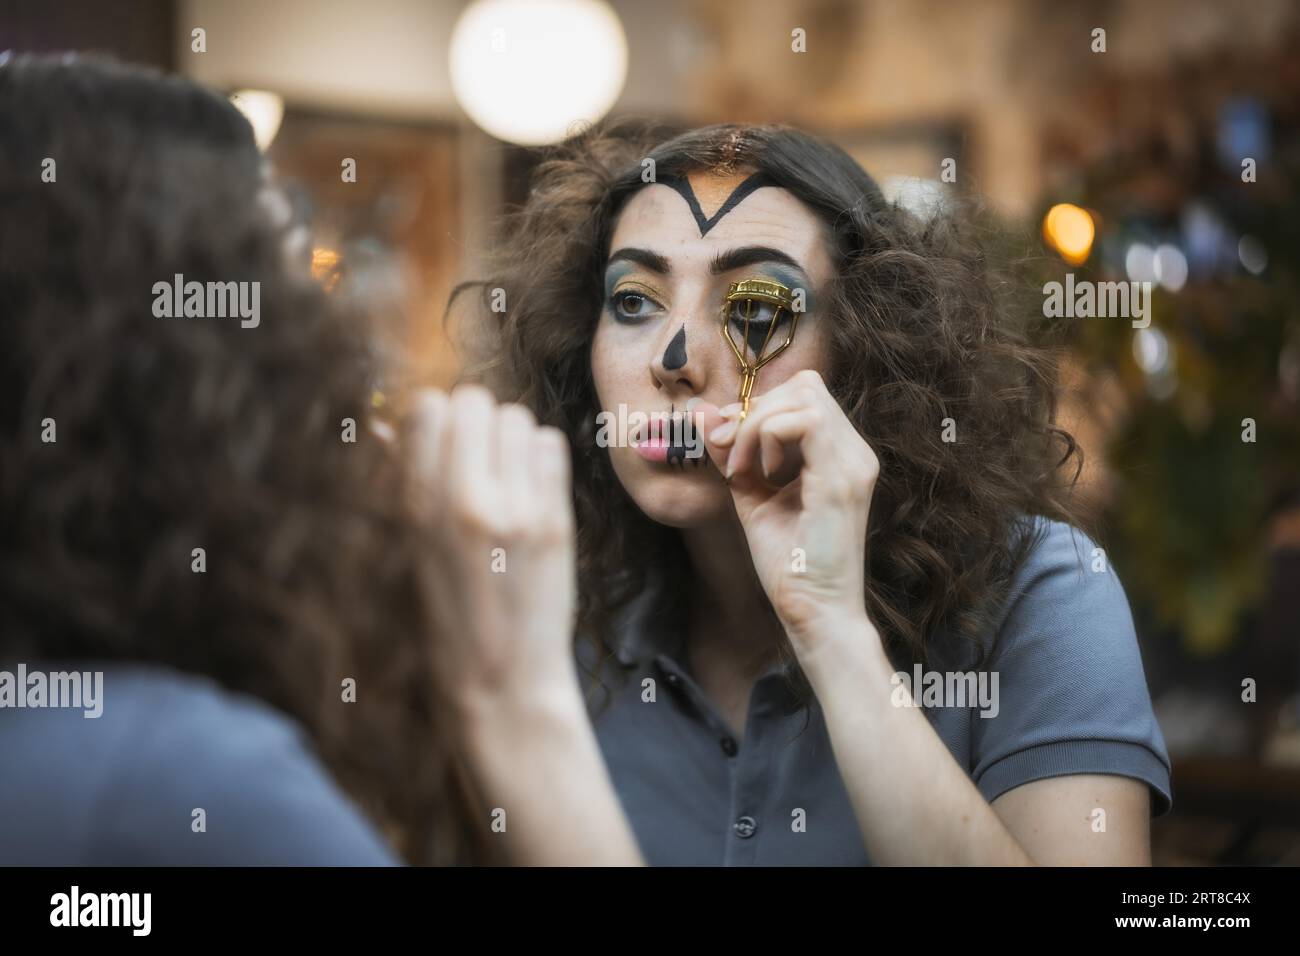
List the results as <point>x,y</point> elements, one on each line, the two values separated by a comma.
<point>745,827</point>
<point>672,680</point>
<point>728,746</point>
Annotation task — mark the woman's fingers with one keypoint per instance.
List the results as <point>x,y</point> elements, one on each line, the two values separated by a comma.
<point>822,425</point>
<point>551,478</point>
<point>427,431</point>
<point>512,445</point>
<point>745,439</point>
<point>489,466</point>
<point>708,418</point>
<point>779,438</point>
<point>500,580</point>
<point>469,470</point>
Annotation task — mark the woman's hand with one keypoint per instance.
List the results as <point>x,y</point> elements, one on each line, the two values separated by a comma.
<point>500,581</point>
<point>500,585</point>
<point>807,523</point>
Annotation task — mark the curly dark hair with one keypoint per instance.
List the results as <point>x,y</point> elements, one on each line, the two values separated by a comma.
<point>922,329</point>
<point>177,433</point>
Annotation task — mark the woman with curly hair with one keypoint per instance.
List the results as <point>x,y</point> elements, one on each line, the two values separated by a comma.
<point>856,624</point>
<point>195,509</point>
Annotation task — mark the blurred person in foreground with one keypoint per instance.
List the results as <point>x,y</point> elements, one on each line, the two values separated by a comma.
<point>182,513</point>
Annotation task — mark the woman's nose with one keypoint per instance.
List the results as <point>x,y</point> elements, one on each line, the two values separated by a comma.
<point>681,354</point>
<point>674,355</point>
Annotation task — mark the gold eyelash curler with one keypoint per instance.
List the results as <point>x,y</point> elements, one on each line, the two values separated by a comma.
<point>741,297</point>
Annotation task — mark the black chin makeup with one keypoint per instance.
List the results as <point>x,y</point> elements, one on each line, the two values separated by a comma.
<point>677,455</point>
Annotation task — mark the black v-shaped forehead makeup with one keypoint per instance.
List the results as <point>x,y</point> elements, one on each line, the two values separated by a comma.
<point>683,187</point>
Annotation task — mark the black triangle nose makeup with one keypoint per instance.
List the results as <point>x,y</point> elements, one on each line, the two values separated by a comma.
<point>747,306</point>
<point>675,354</point>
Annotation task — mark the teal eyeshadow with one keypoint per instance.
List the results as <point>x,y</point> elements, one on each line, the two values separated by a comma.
<point>792,280</point>
<point>615,272</point>
<point>787,277</point>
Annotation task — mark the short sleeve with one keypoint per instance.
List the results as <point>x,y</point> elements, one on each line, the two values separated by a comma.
<point>1072,692</point>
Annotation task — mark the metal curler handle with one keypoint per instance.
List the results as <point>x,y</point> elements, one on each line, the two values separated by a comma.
<point>748,291</point>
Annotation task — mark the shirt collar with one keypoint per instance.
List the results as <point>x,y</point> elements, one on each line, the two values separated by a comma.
<point>646,634</point>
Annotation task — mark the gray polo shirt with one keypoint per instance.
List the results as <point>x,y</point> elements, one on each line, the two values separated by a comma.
<point>1071,699</point>
<point>122,789</point>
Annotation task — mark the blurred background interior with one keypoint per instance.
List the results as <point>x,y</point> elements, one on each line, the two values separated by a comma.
<point>1123,163</point>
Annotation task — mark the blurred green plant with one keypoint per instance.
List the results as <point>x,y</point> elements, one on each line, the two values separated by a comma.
<point>1188,519</point>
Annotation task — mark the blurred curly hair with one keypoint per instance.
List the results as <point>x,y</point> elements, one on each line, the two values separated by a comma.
<point>177,433</point>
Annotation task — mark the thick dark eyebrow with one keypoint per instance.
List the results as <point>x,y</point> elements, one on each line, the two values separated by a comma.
<point>651,260</point>
<point>748,256</point>
<point>722,262</point>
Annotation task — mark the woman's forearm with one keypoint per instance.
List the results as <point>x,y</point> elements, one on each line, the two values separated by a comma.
<point>539,767</point>
<point>914,804</point>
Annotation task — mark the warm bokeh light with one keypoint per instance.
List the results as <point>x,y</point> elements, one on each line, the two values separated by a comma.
<point>1070,231</point>
<point>528,71</point>
<point>264,110</point>
<point>325,267</point>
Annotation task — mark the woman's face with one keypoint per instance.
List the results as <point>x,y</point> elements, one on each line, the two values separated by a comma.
<point>658,341</point>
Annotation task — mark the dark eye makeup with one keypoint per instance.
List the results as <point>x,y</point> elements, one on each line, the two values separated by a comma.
<point>755,312</point>
<point>753,319</point>
<point>632,303</point>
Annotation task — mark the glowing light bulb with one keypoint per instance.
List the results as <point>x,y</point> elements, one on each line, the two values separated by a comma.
<point>1070,231</point>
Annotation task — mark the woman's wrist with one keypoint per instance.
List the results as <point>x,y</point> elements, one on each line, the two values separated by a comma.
<point>507,716</point>
<point>536,760</point>
<point>830,643</point>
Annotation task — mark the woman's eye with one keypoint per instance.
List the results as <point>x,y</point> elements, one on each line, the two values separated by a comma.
<point>753,311</point>
<point>633,305</point>
<point>752,318</point>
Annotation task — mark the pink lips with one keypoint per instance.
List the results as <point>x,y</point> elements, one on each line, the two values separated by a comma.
<point>652,449</point>
<point>653,445</point>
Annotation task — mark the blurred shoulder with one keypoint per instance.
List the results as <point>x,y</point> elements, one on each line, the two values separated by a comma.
<point>177,770</point>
